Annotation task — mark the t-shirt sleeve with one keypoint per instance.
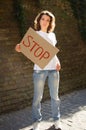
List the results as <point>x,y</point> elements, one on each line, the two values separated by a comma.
<point>52,36</point>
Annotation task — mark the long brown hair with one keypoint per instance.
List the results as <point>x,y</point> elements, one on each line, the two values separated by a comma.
<point>51,24</point>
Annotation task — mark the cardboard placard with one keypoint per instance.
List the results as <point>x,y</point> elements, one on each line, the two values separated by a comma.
<point>37,49</point>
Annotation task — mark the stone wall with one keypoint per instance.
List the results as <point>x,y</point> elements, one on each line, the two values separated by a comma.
<point>16,85</point>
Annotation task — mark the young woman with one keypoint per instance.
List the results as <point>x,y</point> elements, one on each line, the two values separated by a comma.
<point>44,25</point>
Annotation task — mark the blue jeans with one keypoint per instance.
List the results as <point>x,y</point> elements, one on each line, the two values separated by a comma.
<point>39,77</point>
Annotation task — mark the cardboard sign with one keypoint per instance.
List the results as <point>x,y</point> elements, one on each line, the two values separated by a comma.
<point>37,49</point>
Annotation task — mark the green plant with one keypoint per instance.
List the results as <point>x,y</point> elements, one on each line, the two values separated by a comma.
<point>20,15</point>
<point>79,10</point>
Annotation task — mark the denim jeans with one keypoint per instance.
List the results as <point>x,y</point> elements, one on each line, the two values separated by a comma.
<point>39,78</point>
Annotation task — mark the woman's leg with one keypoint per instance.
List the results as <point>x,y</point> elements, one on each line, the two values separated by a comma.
<point>53,82</point>
<point>39,78</point>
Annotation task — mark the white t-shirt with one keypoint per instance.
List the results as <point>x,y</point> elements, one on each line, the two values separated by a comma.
<point>51,38</point>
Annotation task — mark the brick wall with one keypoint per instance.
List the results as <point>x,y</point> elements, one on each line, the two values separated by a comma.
<point>16,85</point>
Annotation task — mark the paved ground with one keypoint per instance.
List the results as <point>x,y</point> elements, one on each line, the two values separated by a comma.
<point>73,114</point>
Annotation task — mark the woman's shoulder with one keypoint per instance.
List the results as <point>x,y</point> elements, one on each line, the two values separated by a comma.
<point>52,34</point>
<point>53,37</point>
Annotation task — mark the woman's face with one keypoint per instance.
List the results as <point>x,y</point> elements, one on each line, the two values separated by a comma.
<point>44,22</point>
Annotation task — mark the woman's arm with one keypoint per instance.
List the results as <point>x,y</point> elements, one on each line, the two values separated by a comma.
<point>18,48</point>
<point>58,65</point>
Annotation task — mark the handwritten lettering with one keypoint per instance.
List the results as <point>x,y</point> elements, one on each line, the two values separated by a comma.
<point>37,50</point>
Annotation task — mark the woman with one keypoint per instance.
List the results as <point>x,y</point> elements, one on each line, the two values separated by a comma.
<point>44,25</point>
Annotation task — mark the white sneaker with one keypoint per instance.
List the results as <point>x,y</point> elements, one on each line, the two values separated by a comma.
<point>36,126</point>
<point>58,124</point>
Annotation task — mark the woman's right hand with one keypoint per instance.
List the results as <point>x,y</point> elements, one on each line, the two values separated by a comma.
<point>18,48</point>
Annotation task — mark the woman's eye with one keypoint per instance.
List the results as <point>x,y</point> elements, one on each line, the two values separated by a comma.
<point>42,19</point>
<point>45,20</point>
<point>48,20</point>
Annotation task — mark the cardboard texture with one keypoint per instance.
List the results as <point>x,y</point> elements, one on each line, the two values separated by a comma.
<point>37,49</point>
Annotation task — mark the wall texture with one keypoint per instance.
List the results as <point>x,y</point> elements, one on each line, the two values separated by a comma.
<point>16,85</point>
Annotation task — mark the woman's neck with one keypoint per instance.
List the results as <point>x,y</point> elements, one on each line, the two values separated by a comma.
<point>43,30</point>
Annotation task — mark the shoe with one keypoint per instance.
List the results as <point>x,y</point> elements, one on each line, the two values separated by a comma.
<point>58,129</point>
<point>36,126</point>
<point>53,128</point>
<point>57,125</point>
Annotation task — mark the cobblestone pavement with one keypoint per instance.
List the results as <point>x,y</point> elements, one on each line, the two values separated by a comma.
<point>73,114</point>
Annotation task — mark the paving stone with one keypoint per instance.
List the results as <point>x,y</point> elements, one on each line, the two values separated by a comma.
<point>73,114</point>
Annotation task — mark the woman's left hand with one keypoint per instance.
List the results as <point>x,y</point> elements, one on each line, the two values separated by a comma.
<point>58,67</point>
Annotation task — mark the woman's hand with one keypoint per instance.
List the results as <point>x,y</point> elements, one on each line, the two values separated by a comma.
<point>58,67</point>
<point>18,48</point>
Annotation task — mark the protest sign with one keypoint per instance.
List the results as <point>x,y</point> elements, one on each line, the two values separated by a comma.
<point>37,49</point>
